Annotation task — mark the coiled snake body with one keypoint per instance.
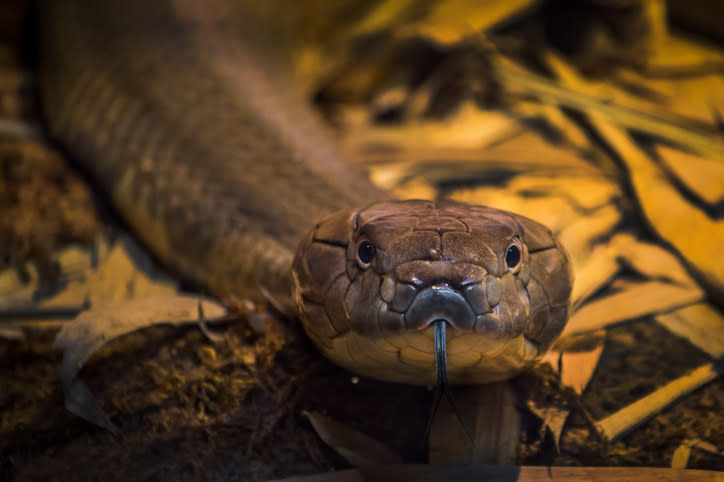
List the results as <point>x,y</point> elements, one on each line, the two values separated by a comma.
<point>188,116</point>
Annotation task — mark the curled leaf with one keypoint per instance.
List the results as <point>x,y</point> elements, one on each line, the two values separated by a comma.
<point>357,448</point>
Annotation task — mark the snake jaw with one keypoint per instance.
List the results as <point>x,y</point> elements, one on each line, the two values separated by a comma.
<point>439,302</point>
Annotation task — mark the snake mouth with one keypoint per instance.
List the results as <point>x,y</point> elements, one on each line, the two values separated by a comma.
<point>436,303</point>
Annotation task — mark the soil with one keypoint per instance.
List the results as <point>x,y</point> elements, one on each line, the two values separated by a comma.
<point>189,410</point>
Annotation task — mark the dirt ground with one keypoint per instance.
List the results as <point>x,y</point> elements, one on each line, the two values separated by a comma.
<point>189,409</point>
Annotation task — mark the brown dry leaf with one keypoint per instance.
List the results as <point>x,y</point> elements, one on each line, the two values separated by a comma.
<point>19,302</point>
<point>554,211</point>
<point>126,273</point>
<point>701,324</point>
<point>690,230</point>
<point>496,437</point>
<point>679,53</point>
<point>16,289</point>
<point>592,260</point>
<point>503,473</point>
<point>680,459</point>
<point>451,21</point>
<point>669,287</point>
<point>576,94</point>
<point>94,328</point>
<point>577,368</point>
<point>694,97</point>
<point>73,263</point>
<point>12,333</point>
<point>634,300</point>
<point>357,448</point>
<point>619,424</point>
<point>704,177</point>
<point>553,419</point>
<point>470,128</point>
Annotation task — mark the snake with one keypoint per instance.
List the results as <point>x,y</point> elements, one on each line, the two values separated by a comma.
<point>191,118</point>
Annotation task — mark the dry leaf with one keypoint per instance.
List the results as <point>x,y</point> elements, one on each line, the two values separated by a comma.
<point>635,300</point>
<point>126,273</point>
<point>553,419</point>
<point>576,94</point>
<point>502,473</point>
<point>690,230</point>
<point>490,413</point>
<point>12,333</point>
<point>680,459</point>
<point>670,288</point>
<point>701,324</point>
<point>94,328</point>
<point>619,424</point>
<point>470,128</point>
<point>577,368</point>
<point>17,290</point>
<point>681,54</point>
<point>357,448</point>
<point>451,21</point>
<point>704,177</point>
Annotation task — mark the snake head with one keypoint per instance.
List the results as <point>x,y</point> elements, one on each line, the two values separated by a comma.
<point>369,285</point>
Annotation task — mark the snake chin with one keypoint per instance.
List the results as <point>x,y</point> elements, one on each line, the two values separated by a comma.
<point>369,285</point>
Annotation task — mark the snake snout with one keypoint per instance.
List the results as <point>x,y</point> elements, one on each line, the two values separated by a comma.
<point>439,302</point>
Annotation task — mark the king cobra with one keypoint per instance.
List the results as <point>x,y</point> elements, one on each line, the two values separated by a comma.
<point>189,116</point>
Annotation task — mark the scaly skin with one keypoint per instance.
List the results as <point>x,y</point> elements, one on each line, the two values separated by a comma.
<point>188,115</point>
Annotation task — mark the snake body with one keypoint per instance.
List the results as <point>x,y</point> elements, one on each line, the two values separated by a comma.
<point>187,114</point>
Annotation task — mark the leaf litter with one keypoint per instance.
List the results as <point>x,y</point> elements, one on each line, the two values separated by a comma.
<point>606,255</point>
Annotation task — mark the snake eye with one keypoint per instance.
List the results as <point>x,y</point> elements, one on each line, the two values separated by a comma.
<point>512,256</point>
<point>365,253</point>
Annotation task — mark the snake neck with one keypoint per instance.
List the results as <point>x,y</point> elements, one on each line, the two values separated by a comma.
<point>189,119</point>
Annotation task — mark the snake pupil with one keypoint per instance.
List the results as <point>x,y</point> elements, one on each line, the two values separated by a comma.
<point>365,252</point>
<point>512,256</point>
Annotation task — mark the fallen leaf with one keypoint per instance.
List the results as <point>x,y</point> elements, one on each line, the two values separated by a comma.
<point>357,448</point>
<point>670,287</point>
<point>577,368</point>
<point>690,230</point>
<point>451,21</point>
<point>17,290</point>
<point>633,301</point>
<point>127,272</point>
<point>704,177</point>
<point>553,419</point>
<point>12,333</point>
<point>680,459</point>
<point>701,324</point>
<point>490,413</point>
<point>502,473</point>
<point>92,329</point>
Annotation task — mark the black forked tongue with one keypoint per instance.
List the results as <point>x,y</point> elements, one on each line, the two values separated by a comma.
<point>443,387</point>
